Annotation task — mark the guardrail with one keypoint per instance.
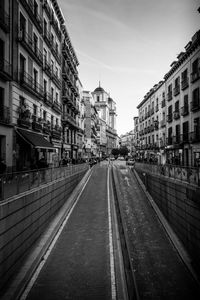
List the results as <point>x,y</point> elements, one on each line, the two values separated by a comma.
<point>12,184</point>
<point>187,174</point>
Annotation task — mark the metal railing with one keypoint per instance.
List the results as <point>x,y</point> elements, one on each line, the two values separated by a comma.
<point>12,184</point>
<point>183,173</point>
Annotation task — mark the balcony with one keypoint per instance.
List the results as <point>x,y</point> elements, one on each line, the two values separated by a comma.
<point>184,110</point>
<point>54,23</point>
<point>195,136</point>
<point>31,48</point>
<point>47,67</point>
<point>47,38</point>
<point>46,128</point>
<point>195,105</point>
<point>176,90</point>
<point>69,119</point>
<point>4,114</point>
<point>176,115</point>
<point>162,143</point>
<point>56,80</point>
<point>57,107</point>
<point>47,9</point>
<point>169,118</point>
<point>184,83</point>
<point>169,141</point>
<point>156,125</point>
<point>33,13</point>
<point>56,132</point>
<point>169,96</point>
<point>157,107</point>
<point>184,138</point>
<point>28,82</point>
<point>163,104</point>
<point>163,123</point>
<point>5,70</point>
<point>48,99</point>
<point>195,76</point>
<point>55,53</point>
<point>176,140</point>
<point>36,126</point>
<point>4,21</point>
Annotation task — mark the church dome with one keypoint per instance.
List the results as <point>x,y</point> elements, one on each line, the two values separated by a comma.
<point>99,89</point>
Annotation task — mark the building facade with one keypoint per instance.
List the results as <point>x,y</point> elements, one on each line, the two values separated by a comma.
<point>36,86</point>
<point>169,115</point>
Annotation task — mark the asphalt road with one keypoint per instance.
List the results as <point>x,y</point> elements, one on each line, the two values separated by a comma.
<point>159,271</point>
<point>78,267</point>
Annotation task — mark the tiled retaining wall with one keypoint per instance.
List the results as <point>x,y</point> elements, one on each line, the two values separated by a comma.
<point>180,204</point>
<point>25,217</point>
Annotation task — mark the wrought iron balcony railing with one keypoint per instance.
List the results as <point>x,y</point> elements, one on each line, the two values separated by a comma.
<point>195,75</point>
<point>30,84</point>
<point>176,90</point>
<point>184,110</point>
<point>28,43</point>
<point>195,105</point>
<point>176,114</point>
<point>33,13</point>
<point>184,83</point>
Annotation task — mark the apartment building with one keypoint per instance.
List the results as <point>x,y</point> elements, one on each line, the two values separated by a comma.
<point>136,139</point>
<point>36,88</point>
<point>183,106</point>
<point>6,128</point>
<point>70,97</point>
<point>169,115</point>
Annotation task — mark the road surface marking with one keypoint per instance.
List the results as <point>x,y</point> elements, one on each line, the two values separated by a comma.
<point>48,252</point>
<point>112,264</point>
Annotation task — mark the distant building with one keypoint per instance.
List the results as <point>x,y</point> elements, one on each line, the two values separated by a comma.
<point>106,108</point>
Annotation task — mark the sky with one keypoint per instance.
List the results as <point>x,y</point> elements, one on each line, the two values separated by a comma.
<point>128,45</point>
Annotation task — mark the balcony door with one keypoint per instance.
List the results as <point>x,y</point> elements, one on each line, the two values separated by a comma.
<point>22,26</point>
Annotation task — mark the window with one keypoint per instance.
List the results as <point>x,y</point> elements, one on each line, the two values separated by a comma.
<point>56,97</point>
<point>52,120</point>
<point>185,131</point>
<point>195,66</point>
<point>1,97</point>
<point>45,86</point>
<point>45,27</point>
<point>44,115</point>
<point>177,106</point>
<point>35,78</point>
<point>35,8</point>
<point>34,110</point>
<point>45,56</point>
<point>52,92</point>
<point>98,98</point>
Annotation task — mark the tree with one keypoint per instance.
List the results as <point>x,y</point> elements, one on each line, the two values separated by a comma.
<point>115,151</point>
<point>123,151</point>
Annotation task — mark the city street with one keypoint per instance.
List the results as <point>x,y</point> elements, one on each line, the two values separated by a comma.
<point>82,262</point>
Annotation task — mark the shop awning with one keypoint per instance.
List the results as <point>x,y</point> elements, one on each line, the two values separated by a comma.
<point>35,139</point>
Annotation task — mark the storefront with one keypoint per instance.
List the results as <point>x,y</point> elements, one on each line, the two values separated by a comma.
<point>30,148</point>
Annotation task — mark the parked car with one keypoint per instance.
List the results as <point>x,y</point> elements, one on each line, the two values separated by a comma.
<point>121,158</point>
<point>130,162</point>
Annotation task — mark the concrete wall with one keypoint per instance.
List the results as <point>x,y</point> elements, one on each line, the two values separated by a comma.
<point>180,204</point>
<point>25,217</point>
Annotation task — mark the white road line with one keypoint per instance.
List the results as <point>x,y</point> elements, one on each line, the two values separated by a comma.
<point>39,268</point>
<point>112,264</point>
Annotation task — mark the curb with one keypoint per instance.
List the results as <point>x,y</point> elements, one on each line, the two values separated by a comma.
<point>24,275</point>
